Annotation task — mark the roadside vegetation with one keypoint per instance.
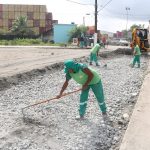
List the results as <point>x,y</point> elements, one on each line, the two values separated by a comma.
<point>28,42</point>
<point>77,32</point>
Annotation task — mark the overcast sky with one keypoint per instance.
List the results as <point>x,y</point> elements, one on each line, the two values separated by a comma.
<point>112,14</point>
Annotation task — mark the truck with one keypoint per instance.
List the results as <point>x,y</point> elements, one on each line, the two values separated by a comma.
<point>140,38</point>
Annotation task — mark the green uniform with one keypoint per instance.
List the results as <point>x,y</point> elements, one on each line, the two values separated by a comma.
<point>80,77</point>
<point>93,54</point>
<point>136,56</point>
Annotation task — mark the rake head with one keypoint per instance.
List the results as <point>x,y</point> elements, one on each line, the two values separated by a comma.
<point>105,65</point>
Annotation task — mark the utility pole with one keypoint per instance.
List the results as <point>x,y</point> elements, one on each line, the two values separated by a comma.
<point>95,34</point>
<point>127,9</point>
<point>95,16</point>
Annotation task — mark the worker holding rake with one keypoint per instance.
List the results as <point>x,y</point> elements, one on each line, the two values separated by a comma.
<point>137,55</point>
<point>88,78</point>
<point>94,54</point>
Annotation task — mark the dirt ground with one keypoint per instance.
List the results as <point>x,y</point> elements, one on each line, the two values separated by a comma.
<point>53,126</point>
<point>14,60</point>
<point>22,59</point>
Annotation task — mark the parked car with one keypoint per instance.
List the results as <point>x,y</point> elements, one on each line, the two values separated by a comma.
<point>114,42</point>
<point>123,42</point>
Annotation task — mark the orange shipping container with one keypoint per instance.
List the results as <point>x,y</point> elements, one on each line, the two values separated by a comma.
<point>5,29</point>
<point>30,15</point>
<point>11,15</point>
<point>1,7</point>
<point>17,8</point>
<point>36,30</point>
<point>36,15</point>
<point>5,14</point>
<point>5,7</point>
<point>30,23</point>
<point>11,8</point>
<point>30,8</point>
<point>49,16</point>
<point>17,14</point>
<point>24,8</point>
<point>36,23</point>
<point>23,14</point>
<point>43,8</point>
<point>36,8</point>
<point>42,16</point>
<point>21,8</point>
<point>9,23</point>
<point>5,22</point>
<point>42,23</point>
<point>1,22</point>
<point>1,15</point>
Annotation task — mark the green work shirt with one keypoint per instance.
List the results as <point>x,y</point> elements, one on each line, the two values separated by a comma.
<point>95,49</point>
<point>81,77</point>
<point>137,50</point>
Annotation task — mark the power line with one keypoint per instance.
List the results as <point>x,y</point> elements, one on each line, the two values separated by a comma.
<point>130,14</point>
<point>78,2</point>
<point>104,6</point>
<point>131,17</point>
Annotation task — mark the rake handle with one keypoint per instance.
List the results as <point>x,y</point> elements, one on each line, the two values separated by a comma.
<point>65,94</point>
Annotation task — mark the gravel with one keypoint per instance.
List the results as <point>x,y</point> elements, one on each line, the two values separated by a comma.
<point>52,126</point>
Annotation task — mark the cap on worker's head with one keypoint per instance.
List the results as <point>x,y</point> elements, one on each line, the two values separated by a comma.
<point>68,65</point>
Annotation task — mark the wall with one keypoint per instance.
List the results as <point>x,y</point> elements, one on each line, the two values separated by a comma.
<point>61,32</point>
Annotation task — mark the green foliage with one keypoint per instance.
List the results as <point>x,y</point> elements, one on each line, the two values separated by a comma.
<point>136,26</point>
<point>28,42</point>
<point>19,27</point>
<point>77,31</point>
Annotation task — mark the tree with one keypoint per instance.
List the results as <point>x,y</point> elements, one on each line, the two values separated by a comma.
<point>20,28</point>
<point>136,26</point>
<point>76,32</point>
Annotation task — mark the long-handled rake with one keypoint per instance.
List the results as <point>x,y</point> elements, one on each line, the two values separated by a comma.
<point>44,101</point>
<point>105,64</point>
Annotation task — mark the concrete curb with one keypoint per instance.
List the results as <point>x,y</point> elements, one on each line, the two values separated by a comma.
<point>137,135</point>
<point>50,47</point>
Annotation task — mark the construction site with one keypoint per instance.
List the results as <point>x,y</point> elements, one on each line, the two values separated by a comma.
<point>74,75</point>
<point>37,74</point>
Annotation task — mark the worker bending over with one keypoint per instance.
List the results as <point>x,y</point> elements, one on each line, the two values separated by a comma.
<point>88,78</point>
<point>94,54</point>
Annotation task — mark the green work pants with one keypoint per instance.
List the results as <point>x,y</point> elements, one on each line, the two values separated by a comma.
<point>93,57</point>
<point>81,44</point>
<point>136,59</point>
<point>98,92</point>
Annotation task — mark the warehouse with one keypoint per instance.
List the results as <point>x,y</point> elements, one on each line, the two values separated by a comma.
<point>38,19</point>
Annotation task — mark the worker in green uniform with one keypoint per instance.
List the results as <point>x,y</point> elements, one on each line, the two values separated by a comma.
<point>88,78</point>
<point>94,53</point>
<point>137,55</point>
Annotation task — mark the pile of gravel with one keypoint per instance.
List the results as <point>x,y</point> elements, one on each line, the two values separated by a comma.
<point>52,126</point>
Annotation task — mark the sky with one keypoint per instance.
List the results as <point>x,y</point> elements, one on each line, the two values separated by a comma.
<point>112,14</point>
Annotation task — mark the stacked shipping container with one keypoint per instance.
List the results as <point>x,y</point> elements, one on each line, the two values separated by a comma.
<point>38,19</point>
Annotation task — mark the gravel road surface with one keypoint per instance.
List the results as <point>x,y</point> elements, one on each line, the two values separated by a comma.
<point>52,126</point>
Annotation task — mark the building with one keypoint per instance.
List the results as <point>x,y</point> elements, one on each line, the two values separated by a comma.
<point>38,19</point>
<point>119,34</point>
<point>149,32</point>
<point>61,32</point>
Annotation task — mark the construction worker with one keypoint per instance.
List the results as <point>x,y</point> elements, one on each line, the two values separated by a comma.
<point>88,78</point>
<point>94,53</point>
<point>137,54</point>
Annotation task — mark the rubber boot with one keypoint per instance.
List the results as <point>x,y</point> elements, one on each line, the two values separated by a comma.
<point>79,117</point>
<point>97,64</point>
